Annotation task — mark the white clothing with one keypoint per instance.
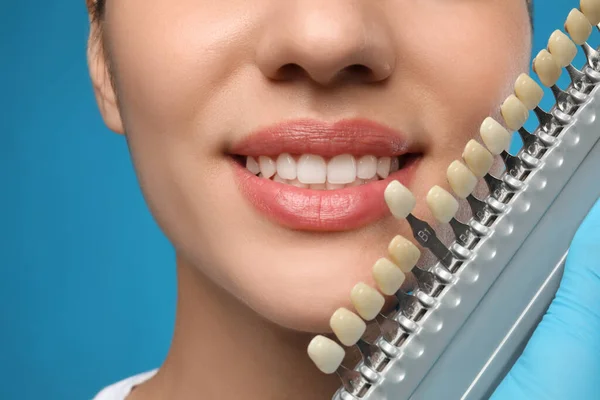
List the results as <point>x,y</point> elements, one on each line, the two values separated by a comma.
<point>120,390</point>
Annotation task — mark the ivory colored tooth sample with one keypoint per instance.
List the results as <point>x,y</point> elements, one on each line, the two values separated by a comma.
<point>514,112</point>
<point>404,253</point>
<point>399,199</point>
<point>591,9</point>
<point>478,158</point>
<point>578,27</point>
<point>367,301</point>
<point>388,276</point>
<point>347,326</point>
<point>495,136</point>
<point>546,68</point>
<point>562,48</point>
<point>528,91</point>
<point>326,354</point>
<point>461,179</point>
<point>442,204</point>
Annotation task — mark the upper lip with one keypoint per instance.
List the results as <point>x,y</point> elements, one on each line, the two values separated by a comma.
<point>307,136</point>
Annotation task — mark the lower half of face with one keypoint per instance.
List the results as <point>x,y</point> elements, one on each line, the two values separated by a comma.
<point>315,93</point>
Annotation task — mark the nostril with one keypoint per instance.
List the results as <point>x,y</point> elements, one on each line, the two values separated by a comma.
<point>291,71</point>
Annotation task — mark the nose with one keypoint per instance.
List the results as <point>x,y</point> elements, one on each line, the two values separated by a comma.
<point>326,41</point>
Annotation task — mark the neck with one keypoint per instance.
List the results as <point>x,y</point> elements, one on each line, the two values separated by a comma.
<point>221,349</point>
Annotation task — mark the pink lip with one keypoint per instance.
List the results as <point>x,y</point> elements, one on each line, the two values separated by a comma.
<point>321,210</point>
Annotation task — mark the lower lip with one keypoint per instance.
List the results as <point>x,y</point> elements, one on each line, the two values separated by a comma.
<point>319,210</point>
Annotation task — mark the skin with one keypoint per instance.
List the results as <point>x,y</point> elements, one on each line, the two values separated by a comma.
<point>191,77</point>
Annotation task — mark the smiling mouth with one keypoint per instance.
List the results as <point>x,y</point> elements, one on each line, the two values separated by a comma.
<point>311,171</point>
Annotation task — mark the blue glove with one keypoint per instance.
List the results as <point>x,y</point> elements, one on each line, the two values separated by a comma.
<point>562,359</point>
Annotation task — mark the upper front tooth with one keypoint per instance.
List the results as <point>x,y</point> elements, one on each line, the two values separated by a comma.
<point>366,167</point>
<point>367,301</point>
<point>478,159</point>
<point>591,9</point>
<point>267,166</point>
<point>442,204</point>
<point>383,166</point>
<point>578,27</point>
<point>395,165</point>
<point>514,112</point>
<point>388,276</point>
<point>528,91</point>
<point>347,326</point>
<point>562,48</point>
<point>312,169</point>
<point>286,166</point>
<point>341,169</point>
<point>326,354</point>
<point>495,137</point>
<point>252,165</point>
<point>546,68</point>
<point>399,199</point>
<point>461,179</point>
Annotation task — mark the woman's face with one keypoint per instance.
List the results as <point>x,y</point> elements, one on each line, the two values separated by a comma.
<point>196,80</point>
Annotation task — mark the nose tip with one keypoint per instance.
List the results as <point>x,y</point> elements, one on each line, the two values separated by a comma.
<point>326,45</point>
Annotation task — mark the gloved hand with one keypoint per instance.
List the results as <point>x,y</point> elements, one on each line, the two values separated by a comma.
<point>562,359</point>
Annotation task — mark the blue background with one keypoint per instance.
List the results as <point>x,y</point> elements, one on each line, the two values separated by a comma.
<point>87,283</point>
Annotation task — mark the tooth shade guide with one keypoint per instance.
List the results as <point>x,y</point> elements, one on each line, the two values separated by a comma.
<point>478,158</point>
<point>388,276</point>
<point>442,204</point>
<point>591,9</point>
<point>399,199</point>
<point>495,137</point>
<point>578,27</point>
<point>547,69</point>
<point>404,253</point>
<point>367,301</point>
<point>461,179</point>
<point>514,112</point>
<point>562,48</point>
<point>347,326</point>
<point>528,91</point>
<point>326,354</point>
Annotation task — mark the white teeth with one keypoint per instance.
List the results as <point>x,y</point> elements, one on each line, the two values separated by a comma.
<point>591,9</point>
<point>461,179</point>
<point>341,169</point>
<point>267,166</point>
<point>404,253</point>
<point>252,165</point>
<point>366,167</point>
<point>326,354</point>
<point>318,186</point>
<point>399,199</point>
<point>578,27</point>
<point>388,276</point>
<point>528,91</point>
<point>514,112</point>
<point>347,326</point>
<point>383,167</point>
<point>367,301</point>
<point>442,204</point>
<point>286,166</point>
<point>312,169</point>
<point>562,48</point>
<point>495,137</point>
<point>279,179</point>
<point>546,68</point>
<point>477,158</point>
